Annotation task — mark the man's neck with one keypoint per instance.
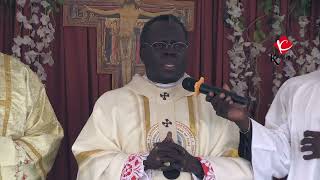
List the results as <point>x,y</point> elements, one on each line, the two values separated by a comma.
<point>164,86</point>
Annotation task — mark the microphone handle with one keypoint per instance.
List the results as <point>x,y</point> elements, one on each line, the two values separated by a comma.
<point>236,98</point>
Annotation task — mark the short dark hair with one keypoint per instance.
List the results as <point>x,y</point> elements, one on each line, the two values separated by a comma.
<point>167,18</point>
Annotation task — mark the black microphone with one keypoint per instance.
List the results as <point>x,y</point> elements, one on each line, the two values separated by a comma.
<point>188,84</point>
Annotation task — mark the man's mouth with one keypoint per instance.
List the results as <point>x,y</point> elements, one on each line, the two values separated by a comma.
<point>169,67</point>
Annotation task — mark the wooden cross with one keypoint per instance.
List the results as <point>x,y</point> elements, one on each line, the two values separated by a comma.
<point>119,23</point>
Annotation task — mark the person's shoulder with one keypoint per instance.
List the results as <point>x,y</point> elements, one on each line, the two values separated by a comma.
<point>299,84</point>
<point>21,71</point>
<point>18,67</point>
<point>313,77</point>
<point>14,62</point>
<point>306,80</point>
<point>114,96</point>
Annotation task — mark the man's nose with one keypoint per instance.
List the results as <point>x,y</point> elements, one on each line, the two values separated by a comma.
<point>170,53</point>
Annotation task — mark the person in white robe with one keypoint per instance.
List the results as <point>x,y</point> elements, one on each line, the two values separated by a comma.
<point>30,133</point>
<point>289,143</point>
<point>152,128</point>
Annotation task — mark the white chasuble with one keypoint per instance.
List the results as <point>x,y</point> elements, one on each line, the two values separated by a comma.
<point>30,133</point>
<point>126,122</point>
<point>276,149</point>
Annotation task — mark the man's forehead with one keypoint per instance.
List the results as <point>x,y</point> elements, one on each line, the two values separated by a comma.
<point>164,30</point>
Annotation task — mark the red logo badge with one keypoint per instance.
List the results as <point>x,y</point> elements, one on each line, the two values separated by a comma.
<point>283,45</point>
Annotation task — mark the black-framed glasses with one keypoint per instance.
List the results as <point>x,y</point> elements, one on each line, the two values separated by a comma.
<point>178,46</point>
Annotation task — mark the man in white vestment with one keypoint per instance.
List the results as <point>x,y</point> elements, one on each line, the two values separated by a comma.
<point>289,143</point>
<point>152,128</point>
<point>30,132</point>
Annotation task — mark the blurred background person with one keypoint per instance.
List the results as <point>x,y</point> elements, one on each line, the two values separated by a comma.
<point>30,132</point>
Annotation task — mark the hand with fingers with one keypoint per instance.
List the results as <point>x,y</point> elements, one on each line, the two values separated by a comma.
<point>311,143</point>
<point>172,158</point>
<point>226,108</point>
<point>158,157</point>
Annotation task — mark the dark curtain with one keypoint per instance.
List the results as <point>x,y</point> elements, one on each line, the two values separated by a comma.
<point>73,84</point>
<point>7,23</point>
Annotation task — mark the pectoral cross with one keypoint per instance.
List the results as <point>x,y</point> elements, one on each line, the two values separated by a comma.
<point>167,123</point>
<point>164,95</point>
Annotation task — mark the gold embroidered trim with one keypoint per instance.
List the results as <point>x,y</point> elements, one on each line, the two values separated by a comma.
<point>81,157</point>
<point>192,119</point>
<point>7,102</point>
<point>36,153</point>
<point>146,113</point>
<point>231,153</point>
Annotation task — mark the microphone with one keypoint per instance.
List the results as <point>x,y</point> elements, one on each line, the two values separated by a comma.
<point>188,84</point>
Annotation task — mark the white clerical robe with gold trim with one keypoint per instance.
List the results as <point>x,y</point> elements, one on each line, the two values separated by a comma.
<point>29,131</point>
<point>126,122</point>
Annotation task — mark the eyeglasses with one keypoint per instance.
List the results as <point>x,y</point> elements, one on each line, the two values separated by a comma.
<point>178,46</point>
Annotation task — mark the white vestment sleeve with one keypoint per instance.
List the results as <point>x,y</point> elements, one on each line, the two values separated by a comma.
<point>270,144</point>
<point>97,149</point>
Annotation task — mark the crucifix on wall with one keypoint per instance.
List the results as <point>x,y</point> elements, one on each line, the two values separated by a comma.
<point>119,23</point>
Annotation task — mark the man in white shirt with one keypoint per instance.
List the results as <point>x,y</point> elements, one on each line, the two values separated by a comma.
<point>289,143</point>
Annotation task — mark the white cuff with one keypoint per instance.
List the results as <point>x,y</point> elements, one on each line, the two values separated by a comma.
<point>134,169</point>
<point>208,170</point>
